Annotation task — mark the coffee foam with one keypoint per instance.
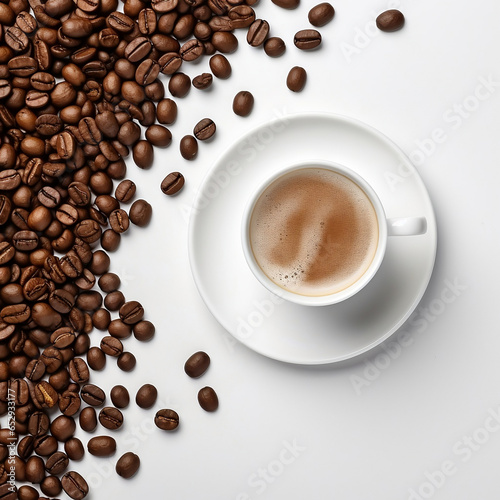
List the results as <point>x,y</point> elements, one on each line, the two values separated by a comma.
<point>314,232</point>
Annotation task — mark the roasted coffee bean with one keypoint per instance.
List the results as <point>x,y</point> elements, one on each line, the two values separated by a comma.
<point>208,399</point>
<point>141,212</point>
<point>126,361</point>
<point>74,448</point>
<point>138,49</point>
<point>158,136</point>
<point>287,4</point>
<point>114,300</point>
<point>170,63</point>
<point>63,337</point>
<point>69,403</point>
<point>45,445</point>
<point>147,72</point>
<point>296,79</point>
<point>204,129</point>
<point>25,447</point>
<point>78,370</point>
<point>111,346</point>
<point>172,183</point>
<point>131,312</point>
<point>90,131</point>
<point>307,39</point>
<point>146,396</point>
<point>189,147</point>
<point>143,154</point>
<point>51,486</point>
<point>120,396</point>
<point>321,14</point>
<point>34,470</point>
<point>225,42</point>
<point>35,370</point>
<point>24,493</point>
<point>92,395</point>
<point>197,364</point>
<point>167,111</point>
<point>101,446</point>
<point>120,22</point>
<point>258,33</point>
<point>125,191</point>
<point>74,485</point>
<point>128,464</point>
<point>19,390</point>
<point>167,420</point>
<point>192,50</point>
<point>179,85</point>
<point>88,419</point>
<point>243,103</point>
<point>203,81</point>
<point>16,39</point>
<point>38,423</point>
<point>57,463</point>
<point>96,359</point>
<point>111,418</point>
<point>46,396</point>
<point>101,319</point>
<point>220,66</point>
<point>118,220</point>
<point>26,241</point>
<point>390,20</point>
<point>62,427</point>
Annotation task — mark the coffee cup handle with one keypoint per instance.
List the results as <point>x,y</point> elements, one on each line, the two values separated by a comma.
<point>406,226</point>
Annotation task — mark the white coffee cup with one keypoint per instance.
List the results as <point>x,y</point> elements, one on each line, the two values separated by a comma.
<point>401,226</point>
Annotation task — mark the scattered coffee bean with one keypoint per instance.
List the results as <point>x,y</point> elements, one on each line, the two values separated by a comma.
<point>128,464</point>
<point>243,103</point>
<point>274,46</point>
<point>390,20</point>
<point>179,84</point>
<point>120,396</point>
<point>125,191</point>
<point>146,396</point>
<point>74,449</point>
<point>258,32</point>
<point>101,446</point>
<point>307,39</point>
<point>203,81</point>
<point>126,361</point>
<point>74,485</point>
<point>92,395</point>
<point>287,4</point>
<point>220,66</point>
<point>208,399</point>
<point>296,79</point>
<point>88,419</point>
<point>204,129</point>
<point>141,212</point>
<point>167,420</point>
<point>197,364</point>
<point>166,111</point>
<point>321,14</point>
<point>159,136</point>
<point>189,147</point>
<point>111,418</point>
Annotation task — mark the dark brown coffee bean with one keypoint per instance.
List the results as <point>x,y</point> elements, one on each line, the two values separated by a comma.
<point>321,14</point>
<point>63,337</point>
<point>167,420</point>
<point>119,221</point>
<point>143,154</point>
<point>78,370</point>
<point>131,312</point>
<point>63,428</point>
<point>34,470</point>
<point>57,463</point>
<point>220,66</point>
<point>111,418</point>
<point>96,358</point>
<point>172,183</point>
<point>89,130</point>
<point>138,49</point>
<point>179,85</point>
<point>120,396</point>
<point>128,464</point>
<point>170,63</point>
<point>192,50</point>
<point>307,39</point>
<point>92,395</point>
<point>79,194</point>
<point>197,364</point>
<point>287,4</point>
<point>38,423</point>
<point>45,395</point>
<point>111,346</point>
<point>141,212</point>
<point>125,191</point>
<point>241,16</point>
<point>204,129</point>
<point>9,179</point>
<point>74,448</point>
<point>188,147</point>
<point>147,72</point>
<point>243,103</point>
<point>101,446</point>
<point>88,419</point>
<point>69,403</point>
<point>158,136</point>
<point>88,5</point>
<point>16,39</point>
<point>167,111</point>
<point>258,32</point>
<point>35,370</point>
<point>22,66</point>
<point>88,230</point>
<point>74,485</point>
<point>146,396</point>
<point>225,42</point>
<point>296,79</point>
<point>126,361</point>
<point>129,133</point>
<point>77,27</point>
<point>202,81</point>
<point>19,390</point>
<point>120,22</point>
<point>51,486</point>
<point>390,20</point>
<point>208,399</point>
<point>26,241</point>
<point>45,445</point>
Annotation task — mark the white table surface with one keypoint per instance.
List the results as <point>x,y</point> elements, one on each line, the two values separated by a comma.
<point>420,424</point>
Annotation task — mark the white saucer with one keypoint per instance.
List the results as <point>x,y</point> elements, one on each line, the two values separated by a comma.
<point>286,331</point>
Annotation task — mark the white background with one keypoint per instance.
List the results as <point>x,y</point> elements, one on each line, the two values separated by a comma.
<point>375,427</point>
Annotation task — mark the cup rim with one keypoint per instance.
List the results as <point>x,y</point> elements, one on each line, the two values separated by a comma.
<point>321,300</point>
